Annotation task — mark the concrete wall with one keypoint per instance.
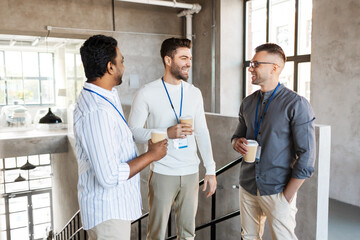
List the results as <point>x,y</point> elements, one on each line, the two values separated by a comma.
<point>217,66</point>
<point>204,75</point>
<point>221,129</point>
<point>31,17</point>
<point>142,51</point>
<point>231,44</point>
<point>64,190</point>
<point>335,87</point>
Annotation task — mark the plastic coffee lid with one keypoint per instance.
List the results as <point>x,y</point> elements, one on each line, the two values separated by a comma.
<point>185,117</point>
<point>252,143</point>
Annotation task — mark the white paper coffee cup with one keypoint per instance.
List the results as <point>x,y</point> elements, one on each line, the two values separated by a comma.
<point>157,136</point>
<point>252,148</point>
<point>186,119</point>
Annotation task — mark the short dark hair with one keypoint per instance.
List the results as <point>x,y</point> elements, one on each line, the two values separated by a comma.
<point>273,49</point>
<point>169,46</point>
<point>96,52</point>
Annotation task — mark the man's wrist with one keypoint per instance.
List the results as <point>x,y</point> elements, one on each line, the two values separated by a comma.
<point>233,142</point>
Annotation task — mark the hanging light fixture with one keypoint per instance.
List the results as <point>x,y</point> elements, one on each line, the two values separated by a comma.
<point>20,178</point>
<point>50,118</point>
<point>27,166</point>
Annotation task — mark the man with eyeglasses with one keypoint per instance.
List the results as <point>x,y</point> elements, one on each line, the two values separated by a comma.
<point>282,123</point>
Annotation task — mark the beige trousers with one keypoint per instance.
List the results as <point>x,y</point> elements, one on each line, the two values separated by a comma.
<point>164,191</point>
<point>254,210</point>
<point>114,229</point>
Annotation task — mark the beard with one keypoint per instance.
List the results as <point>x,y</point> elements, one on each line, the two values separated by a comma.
<point>119,81</point>
<point>118,78</point>
<point>257,80</point>
<point>175,70</point>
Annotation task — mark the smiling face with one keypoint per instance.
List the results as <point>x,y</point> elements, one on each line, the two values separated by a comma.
<point>267,72</point>
<point>180,63</point>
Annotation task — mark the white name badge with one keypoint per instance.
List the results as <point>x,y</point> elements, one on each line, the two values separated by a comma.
<point>258,153</point>
<point>180,143</point>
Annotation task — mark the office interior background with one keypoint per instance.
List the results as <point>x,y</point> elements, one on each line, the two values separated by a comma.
<point>40,68</point>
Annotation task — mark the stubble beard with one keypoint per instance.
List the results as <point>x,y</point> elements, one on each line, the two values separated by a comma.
<point>176,72</point>
<point>119,77</point>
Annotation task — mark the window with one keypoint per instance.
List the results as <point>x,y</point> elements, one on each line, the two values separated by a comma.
<point>26,78</point>
<point>75,75</point>
<point>25,206</point>
<point>288,24</point>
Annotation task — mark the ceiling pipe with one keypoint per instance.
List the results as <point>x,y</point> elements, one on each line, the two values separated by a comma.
<point>190,9</point>
<point>188,17</point>
<point>173,4</point>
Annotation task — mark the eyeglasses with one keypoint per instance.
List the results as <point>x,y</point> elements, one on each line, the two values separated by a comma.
<point>255,64</point>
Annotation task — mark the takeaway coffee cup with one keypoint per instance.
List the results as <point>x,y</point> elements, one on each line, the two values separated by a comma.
<point>157,136</point>
<point>186,119</point>
<point>252,148</point>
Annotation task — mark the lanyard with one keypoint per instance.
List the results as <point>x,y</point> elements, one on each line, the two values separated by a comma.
<point>108,102</point>
<point>172,106</point>
<point>257,126</point>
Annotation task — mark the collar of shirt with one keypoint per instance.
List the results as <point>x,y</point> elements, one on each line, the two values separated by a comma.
<point>102,91</point>
<point>267,95</point>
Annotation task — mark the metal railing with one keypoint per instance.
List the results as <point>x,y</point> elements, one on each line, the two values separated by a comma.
<point>72,230</point>
<point>212,223</point>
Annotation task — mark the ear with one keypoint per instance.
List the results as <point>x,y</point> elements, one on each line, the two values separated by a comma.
<point>276,67</point>
<point>167,60</point>
<point>109,67</point>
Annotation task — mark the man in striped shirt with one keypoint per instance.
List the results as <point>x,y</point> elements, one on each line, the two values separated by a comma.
<point>109,186</point>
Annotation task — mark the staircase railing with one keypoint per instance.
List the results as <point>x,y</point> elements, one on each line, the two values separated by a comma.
<point>72,230</point>
<point>212,223</point>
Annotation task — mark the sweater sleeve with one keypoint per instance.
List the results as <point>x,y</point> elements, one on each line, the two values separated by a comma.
<point>137,118</point>
<point>202,136</point>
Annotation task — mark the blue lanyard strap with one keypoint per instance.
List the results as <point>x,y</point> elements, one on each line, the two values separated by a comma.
<point>172,106</point>
<point>257,126</point>
<point>108,102</point>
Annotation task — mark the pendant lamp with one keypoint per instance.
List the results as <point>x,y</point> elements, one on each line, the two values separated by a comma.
<point>27,166</point>
<point>20,178</point>
<point>50,118</point>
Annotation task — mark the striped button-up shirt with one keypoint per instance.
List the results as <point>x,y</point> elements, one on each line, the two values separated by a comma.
<point>104,145</point>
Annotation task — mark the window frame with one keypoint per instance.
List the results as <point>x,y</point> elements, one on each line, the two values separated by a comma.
<point>30,211</point>
<point>29,192</point>
<point>23,78</point>
<point>296,58</point>
<point>76,78</point>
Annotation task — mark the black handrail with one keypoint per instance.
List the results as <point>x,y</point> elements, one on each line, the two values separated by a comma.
<point>214,220</point>
<point>72,230</point>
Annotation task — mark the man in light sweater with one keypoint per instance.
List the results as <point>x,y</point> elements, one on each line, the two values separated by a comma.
<point>174,179</point>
